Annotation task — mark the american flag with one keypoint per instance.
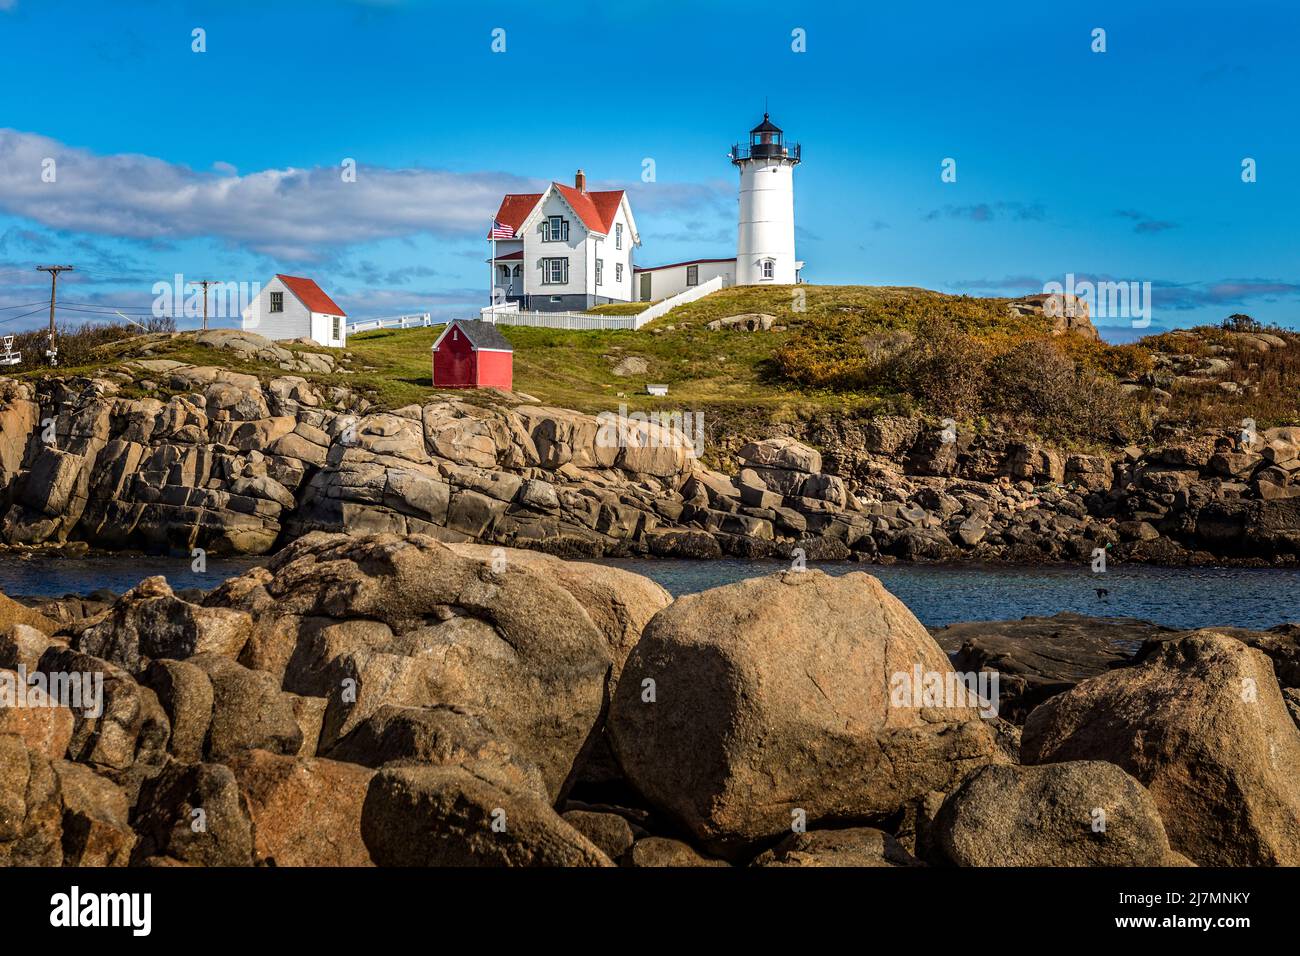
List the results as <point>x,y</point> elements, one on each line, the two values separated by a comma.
<point>500,230</point>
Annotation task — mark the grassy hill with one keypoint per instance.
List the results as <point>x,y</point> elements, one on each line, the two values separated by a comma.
<point>705,369</point>
<point>849,350</point>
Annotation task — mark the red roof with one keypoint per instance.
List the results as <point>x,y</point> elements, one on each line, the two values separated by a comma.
<point>596,209</point>
<point>516,207</point>
<point>518,254</point>
<point>311,295</point>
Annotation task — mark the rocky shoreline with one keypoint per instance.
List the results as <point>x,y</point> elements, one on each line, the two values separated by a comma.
<point>221,462</point>
<point>398,700</point>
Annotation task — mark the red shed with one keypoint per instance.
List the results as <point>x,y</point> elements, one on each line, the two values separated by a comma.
<point>472,354</point>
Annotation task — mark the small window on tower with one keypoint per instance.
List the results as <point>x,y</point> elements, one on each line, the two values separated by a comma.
<point>769,268</point>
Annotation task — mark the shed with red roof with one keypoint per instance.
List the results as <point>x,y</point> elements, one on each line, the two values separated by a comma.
<point>294,307</point>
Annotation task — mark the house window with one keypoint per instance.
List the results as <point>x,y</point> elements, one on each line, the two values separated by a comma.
<point>555,229</point>
<point>555,271</point>
<point>769,268</point>
<point>692,275</point>
<point>618,235</point>
<point>277,301</point>
<point>600,272</point>
<point>338,328</point>
<point>618,272</point>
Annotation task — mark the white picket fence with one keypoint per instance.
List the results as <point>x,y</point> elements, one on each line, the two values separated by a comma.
<point>576,321</point>
<point>397,322</point>
<point>664,306</point>
<point>509,314</point>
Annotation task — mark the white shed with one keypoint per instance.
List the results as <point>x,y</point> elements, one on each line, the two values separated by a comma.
<point>291,307</point>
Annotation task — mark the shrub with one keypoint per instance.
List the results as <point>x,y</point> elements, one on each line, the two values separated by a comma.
<point>943,367</point>
<point>1240,322</point>
<point>77,344</point>
<point>1038,383</point>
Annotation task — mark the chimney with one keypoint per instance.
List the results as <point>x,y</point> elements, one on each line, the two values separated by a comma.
<point>580,181</point>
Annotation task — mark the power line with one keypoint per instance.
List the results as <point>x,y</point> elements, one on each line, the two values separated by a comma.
<point>14,318</point>
<point>108,310</point>
<point>25,305</point>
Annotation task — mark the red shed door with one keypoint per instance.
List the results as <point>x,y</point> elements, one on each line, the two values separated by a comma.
<point>454,362</point>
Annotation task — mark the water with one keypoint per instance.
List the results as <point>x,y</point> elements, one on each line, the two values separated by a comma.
<point>944,594</point>
<point>937,594</point>
<point>55,577</point>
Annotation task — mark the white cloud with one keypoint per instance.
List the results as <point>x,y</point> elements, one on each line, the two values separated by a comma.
<point>297,214</point>
<point>287,213</point>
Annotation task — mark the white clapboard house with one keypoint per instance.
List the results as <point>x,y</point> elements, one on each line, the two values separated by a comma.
<point>565,249</point>
<point>291,307</point>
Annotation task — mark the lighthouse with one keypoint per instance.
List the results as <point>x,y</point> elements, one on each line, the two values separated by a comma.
<point>765,238</point>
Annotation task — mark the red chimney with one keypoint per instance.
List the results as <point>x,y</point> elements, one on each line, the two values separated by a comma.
<point>580,181</point>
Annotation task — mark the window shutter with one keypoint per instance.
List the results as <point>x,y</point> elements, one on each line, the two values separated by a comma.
<point>565,280</point>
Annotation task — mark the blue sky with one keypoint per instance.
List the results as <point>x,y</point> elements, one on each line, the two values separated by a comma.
<point>1124,165</point>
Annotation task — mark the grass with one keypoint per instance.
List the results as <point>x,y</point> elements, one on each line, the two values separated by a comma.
<point>822,357</point>
<point>621,308</point>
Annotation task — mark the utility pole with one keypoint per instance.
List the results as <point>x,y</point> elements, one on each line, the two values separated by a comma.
<point>205,283</point>
<point>52,353</point>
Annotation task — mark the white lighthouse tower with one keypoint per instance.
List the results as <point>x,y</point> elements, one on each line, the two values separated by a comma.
<point>765,240</point>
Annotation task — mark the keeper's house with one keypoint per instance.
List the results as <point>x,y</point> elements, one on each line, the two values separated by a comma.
<point>472,354</point>
<point>291,307</point>
<point>565,249</point>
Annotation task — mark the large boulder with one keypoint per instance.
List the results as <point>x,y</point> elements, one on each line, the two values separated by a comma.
<point>450,816</point>
<point>193,814</point>
<point>747,703</point>
<point>11,613</point>
<point>618,602</point>
<point>185,693</point>
<point>783,453</point>
<point>305,811</point>
<point>96,818</point>
<point>124,724</point>
<point>149,621</point>
<point>508,642</point>
<point>1081,813</point>
<point>1203,725</point>
<point>442,735</point>
<point>23,645</point>
<point>44,724</point>
<point>248,710</point>
<point>31,809</point>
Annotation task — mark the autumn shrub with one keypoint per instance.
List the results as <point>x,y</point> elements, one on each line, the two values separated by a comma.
<point>77,344</point>
<point>1039,384</point>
